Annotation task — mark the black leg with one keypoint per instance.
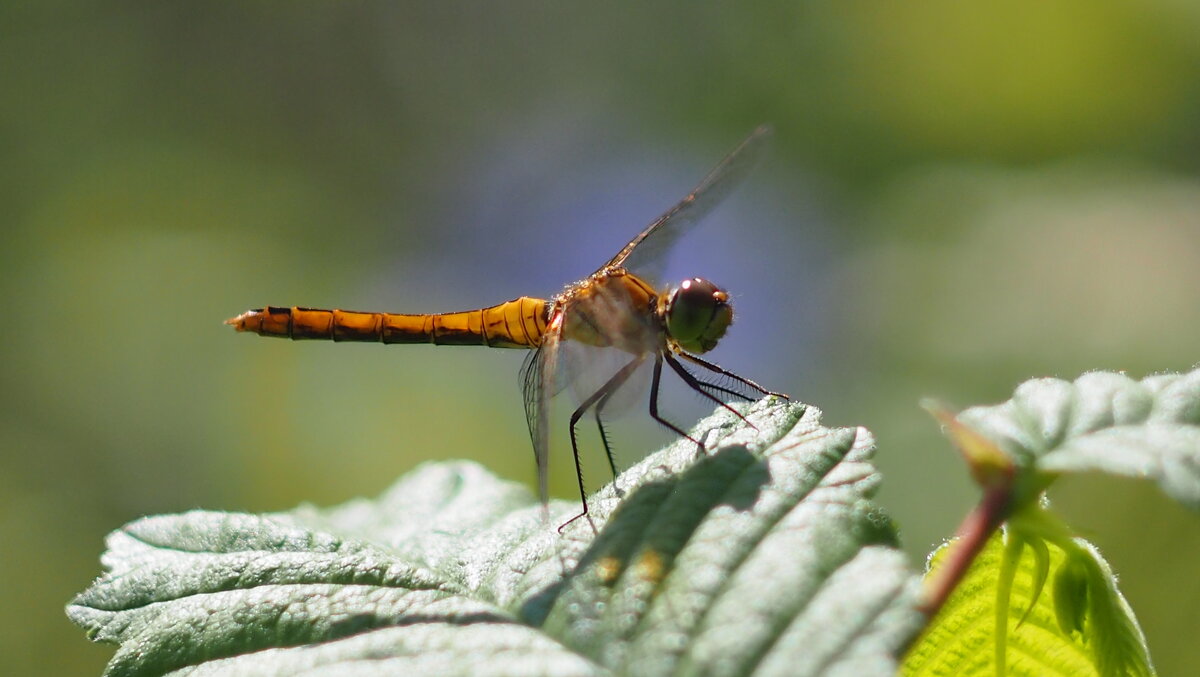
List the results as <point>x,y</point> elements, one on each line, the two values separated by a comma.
<point>694,384</point>
<point>725,372</point>
<point>597,398</point>
<point>658,360</point>
<point>616,382</point>
<point>612,463</point>
<point>721,389</point>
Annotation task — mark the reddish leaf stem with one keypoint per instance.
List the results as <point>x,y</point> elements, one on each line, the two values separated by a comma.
<point>972,535</point>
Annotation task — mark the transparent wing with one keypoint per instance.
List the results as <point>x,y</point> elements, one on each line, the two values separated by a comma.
<point>580,370</point>
<point>646,253</point>
<point>538,385</point>
<point>583,370</point>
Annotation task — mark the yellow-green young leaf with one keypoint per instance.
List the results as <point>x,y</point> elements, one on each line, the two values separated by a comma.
<point>1071,596</point>
<point>1079,625</point>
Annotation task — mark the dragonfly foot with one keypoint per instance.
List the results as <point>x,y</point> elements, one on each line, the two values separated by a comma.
<point>584,515</point>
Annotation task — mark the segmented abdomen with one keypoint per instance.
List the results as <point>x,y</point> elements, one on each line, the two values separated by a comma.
<point>519,323</point>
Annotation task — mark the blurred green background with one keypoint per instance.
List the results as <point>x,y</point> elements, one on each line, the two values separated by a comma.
<point>961,196</point>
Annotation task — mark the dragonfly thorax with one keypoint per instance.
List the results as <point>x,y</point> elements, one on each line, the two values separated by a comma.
<point>697,314</point>
<point>612,308</point>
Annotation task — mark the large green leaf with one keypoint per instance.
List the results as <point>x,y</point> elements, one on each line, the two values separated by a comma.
<point>764,556</point>
<point>1102,422</point>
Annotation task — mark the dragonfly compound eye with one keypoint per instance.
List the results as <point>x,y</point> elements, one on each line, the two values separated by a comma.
<point>698,313</point>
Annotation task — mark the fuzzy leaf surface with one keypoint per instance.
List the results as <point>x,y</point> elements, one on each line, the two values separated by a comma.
<point>1105,422</point>
<point>764,556</point>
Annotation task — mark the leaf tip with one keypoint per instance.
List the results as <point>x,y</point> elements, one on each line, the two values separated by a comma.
<point>989,465</point>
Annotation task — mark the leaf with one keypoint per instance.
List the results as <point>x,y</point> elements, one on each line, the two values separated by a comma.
<point>1102,422</point>
<point>990,467</point>
<point>764,556</point>
<point>1078,625</point>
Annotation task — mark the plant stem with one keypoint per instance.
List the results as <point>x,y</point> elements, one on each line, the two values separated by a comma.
<point>972,535</point>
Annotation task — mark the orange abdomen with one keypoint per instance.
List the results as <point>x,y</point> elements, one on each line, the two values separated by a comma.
<point>519,323</point>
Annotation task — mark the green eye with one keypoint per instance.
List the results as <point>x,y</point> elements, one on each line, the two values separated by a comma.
<point>698,313</point>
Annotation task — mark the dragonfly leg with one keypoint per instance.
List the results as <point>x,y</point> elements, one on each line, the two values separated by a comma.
<point>695,384</point>
<point>657,376</point>
<point>725,372</point>
<point>612,463</point>
<point>712,385</point>
<point>597,399</point>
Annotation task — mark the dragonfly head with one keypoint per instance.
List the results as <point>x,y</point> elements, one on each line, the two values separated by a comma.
<point>697,314</point>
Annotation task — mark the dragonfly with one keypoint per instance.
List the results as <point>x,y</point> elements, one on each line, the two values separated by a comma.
<point>621,307</point>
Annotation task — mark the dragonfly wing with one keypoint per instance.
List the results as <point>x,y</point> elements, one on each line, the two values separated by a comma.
<point>561,364</point>
<point>538,385</point>
<point>584,370</point>
<point>646,253</point>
